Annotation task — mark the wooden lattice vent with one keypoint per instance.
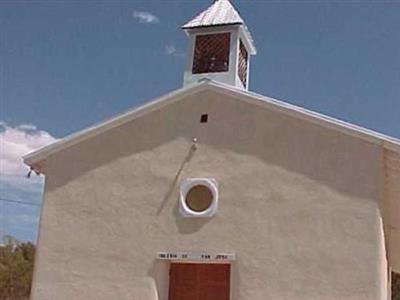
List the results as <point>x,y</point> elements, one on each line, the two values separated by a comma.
<point>211,53</point>
<point>243,57</point>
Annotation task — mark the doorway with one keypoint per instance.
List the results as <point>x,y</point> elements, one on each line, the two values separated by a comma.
<point>189,281</point>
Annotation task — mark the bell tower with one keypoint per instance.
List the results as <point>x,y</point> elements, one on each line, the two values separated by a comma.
<point>220,46</point>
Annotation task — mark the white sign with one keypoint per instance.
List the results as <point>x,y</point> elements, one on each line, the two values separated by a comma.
<point>190,256</point>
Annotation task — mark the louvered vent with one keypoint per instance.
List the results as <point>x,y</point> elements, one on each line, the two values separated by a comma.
<point>211,53</point>
<point>243,57</point>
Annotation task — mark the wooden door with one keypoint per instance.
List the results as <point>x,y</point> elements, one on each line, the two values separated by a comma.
<point>199,282</point>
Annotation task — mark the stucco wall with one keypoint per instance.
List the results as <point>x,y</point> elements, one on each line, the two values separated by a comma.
<point>299,205</point>
<point>392,212</point>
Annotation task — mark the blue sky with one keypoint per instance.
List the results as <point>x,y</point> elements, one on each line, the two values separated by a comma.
<point>67,65</point>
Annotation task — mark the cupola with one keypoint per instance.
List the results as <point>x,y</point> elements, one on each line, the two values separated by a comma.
<point>220,46</point>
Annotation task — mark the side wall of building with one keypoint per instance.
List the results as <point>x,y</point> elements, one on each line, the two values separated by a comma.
<point>392,212</point>
<point>299,205</point>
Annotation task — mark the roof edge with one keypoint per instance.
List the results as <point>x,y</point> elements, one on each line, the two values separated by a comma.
<point>188,27</point>
<point>35,158</point>
<point>370,135</point>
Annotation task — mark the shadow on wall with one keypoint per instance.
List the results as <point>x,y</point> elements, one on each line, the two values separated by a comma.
<point>185,225</point>
<point>322,154</point>
<point>176,178</point>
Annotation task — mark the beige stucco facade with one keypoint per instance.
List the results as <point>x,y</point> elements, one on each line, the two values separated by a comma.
<point>301,205</point>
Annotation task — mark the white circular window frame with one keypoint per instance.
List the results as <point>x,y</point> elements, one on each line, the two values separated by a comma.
<point>189,183</point>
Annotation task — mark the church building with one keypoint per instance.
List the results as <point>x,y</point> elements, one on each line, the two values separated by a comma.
<point>214,192</point>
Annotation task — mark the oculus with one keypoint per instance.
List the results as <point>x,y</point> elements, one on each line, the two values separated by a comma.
<point>198,197</point>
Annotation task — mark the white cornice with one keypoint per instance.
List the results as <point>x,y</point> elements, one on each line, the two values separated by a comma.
<point>35,159</point>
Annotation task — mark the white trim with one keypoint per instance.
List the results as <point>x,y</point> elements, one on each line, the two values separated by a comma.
<point>229,76</point>
<point>305,114</point>
<point>243,31</point>
<point>211,30</point>
<point>189,183</point>
<point>387,142</point>
<point>247,40</point>
<point>37,156</point>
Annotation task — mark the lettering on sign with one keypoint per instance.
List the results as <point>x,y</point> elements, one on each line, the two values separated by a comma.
<point>189,256</point>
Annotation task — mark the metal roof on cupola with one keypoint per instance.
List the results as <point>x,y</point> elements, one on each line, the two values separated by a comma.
<point>221,13</point>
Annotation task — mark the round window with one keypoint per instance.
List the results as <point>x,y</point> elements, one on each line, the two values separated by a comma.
<point>199,198</point>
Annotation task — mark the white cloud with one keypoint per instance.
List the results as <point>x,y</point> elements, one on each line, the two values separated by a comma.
<point>17,141</point>
<point>20,220</point>
<point>26,127</point>
<point>145,17</point>
<point>171,50</point>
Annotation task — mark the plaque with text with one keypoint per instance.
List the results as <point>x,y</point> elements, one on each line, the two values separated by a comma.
<point>196,256</point>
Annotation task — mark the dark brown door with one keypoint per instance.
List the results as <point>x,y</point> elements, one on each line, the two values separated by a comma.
<point>199,282</point>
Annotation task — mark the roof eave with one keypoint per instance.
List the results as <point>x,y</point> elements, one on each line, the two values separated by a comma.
<point>188,27</point>
<point>250,41</point>
<point>35,159</point>
<point>388,142</point>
